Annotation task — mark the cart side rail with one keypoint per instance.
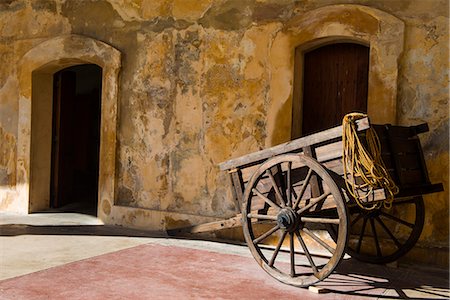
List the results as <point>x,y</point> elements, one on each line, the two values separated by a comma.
<point>291,146</point>
<point>403,156</point>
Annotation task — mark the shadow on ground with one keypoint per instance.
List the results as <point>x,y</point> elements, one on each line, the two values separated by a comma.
<point>97,230</point>
<point>351,277</point>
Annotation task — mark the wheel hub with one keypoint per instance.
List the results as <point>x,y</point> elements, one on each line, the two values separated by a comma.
<point>288,219</point>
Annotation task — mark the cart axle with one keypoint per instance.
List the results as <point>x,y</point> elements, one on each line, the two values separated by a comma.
<point>288,219</point>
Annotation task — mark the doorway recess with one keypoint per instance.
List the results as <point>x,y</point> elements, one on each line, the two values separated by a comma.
<point>76,138</point>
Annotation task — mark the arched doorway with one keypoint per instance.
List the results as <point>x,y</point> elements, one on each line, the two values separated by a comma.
<point>36,71</point>
<point>335,82</point>
<point>380,31</point>
<point>75,138</point>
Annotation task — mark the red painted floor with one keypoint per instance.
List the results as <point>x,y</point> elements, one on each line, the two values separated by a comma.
<point>153,271</point>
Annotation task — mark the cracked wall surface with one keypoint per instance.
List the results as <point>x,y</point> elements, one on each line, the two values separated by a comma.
<point>198,86</point>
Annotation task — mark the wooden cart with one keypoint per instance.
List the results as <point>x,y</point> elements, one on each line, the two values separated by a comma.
<point>293,194</point>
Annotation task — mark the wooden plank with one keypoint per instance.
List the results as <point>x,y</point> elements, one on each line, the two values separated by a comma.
<point>409,161</point>
<point>55,192</point>
<point>390,147</point>
<point>247,173</point>
<point>238,184</point>
<point>264,185</point>
<point>335,166</point>
<point>216,225</point>
<point>329,158</point>
<point>292,146</point>
<point>207,227</point>
<point>422,162</point>
<point>377,195</point>
<point>404,146</point>
<point>418,190</point>
<point>421,128</point>
<point>316,187</point>
<point>329,152</point>
<point>412,177</point>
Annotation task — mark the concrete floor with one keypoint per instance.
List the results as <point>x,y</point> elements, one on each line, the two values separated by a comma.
<point>74,256</point>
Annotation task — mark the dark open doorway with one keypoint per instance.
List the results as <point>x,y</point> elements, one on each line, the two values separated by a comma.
<point>76,139</point>
<point>335,82</point>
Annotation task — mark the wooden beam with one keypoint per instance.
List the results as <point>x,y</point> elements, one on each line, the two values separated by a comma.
<point>419,190</point>
<point>292,146</point>
<point>208,227</point>
<point>239,187</point>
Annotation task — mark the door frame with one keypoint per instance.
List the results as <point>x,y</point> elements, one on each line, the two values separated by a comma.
<point>36,70</point>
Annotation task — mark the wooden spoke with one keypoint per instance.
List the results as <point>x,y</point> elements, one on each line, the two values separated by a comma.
<point>356,219</point>
<point>387,219</point>
<point>267,200</point>
<point>266,235</point>
<point>386,229</point>
<point>275,187</point>
<point>398,220</point>
<point>318,240</point>
<point>313,202</point>
<point>375,237</point>
<point>302,191</point>
<point>305,249</point>
<point>288,187</point>
<point>289,184</point>
<point>294,194</point>
<point>262,217</point>
<point>319,220</point>
<point>277,249</point>
<point>292,253</point>
<point>361,236</point>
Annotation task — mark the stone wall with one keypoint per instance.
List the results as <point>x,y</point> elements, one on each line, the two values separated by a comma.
<point>201,83</point>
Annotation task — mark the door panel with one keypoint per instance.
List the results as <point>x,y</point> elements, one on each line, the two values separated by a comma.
<point>62,162</point>
<point>335,82</point>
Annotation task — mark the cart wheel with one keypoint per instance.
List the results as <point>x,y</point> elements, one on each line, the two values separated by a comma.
<point>278,206</point>
<point>384,235</point>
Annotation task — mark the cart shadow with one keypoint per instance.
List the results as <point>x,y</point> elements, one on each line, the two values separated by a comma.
<point>356,278</point>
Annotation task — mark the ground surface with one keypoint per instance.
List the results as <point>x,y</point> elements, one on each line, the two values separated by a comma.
<point>72,256</point>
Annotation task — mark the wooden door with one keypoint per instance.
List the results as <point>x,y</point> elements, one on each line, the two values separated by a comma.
<point>335,82</point>
<point>62,144</point>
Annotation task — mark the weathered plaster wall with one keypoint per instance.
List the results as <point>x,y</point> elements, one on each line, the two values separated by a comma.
<point>198,86</point>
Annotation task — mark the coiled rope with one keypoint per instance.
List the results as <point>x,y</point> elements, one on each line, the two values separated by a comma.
<point>364,170</point>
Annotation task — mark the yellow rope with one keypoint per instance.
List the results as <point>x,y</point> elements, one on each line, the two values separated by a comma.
<point>364,170</point>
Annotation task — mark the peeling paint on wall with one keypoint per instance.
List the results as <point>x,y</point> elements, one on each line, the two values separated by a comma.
<point>198,86</point>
